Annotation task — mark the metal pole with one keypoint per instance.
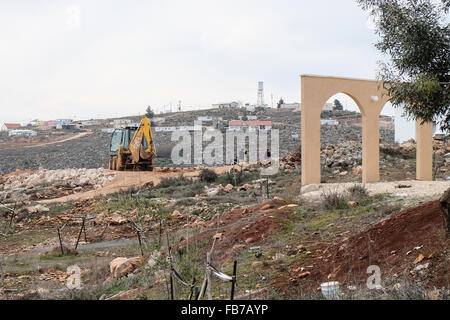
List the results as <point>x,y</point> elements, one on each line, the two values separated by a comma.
<point>233,282</point>
<point>171,285</point>
<point>208,277</point>
<point>192,289</point>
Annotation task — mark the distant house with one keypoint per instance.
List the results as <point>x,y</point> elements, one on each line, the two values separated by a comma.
<point>88,123</point>
<point>25,133</point>
<point>50,123</point>
<point>294,105</point>
<point>9,126</point>
<point>205,118</point>
<point>224,105</point>
<point>121,123</point>
<point>329,122</point>
<point>177,128</point>
<point>249,125</point>
<point>63,123</point>
<point>250,107</point>
<point>36,123</point>
<point>328,107</point>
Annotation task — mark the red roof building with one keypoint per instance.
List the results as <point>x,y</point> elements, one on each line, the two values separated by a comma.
<point>11,126</point>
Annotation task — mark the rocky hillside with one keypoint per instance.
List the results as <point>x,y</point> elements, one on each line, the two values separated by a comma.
<point>92,151</point>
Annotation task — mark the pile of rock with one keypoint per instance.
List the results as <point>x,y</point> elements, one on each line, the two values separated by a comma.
<point>291,161</point>
<point>72,177</point>
<point>343,157</point>
<point>347,155</point>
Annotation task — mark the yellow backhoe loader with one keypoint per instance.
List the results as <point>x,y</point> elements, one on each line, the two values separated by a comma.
<point>132,148</point>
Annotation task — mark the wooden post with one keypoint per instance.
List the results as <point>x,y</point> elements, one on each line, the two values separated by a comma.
<point>140,242</point>
<point>84,229</point>
<point>60,242</point>
<point>233,282</point>
<point>79,235</point>
<point>171,272</point>
<point>103,233</point>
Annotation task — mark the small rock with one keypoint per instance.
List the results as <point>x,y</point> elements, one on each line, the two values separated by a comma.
<point>352,204</point>
<point>419,259</point>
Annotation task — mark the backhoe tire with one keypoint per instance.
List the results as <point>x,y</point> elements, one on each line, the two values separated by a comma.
<point>111,163</point>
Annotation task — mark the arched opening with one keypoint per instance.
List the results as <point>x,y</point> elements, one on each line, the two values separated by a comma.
<point>397,145</point>
<point>341,140</point>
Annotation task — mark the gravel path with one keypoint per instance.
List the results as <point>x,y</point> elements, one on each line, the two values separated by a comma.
<point>417,189</point>
<point>126,179</point>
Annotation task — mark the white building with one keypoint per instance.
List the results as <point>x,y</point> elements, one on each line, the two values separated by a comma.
<point>205,118</point>
<point>328,107</point>
<point>180,128</point>
<point>121,123</point>
<point>294,105</point>
<point>87,123</point>
<point>25,133</point>
<point>223,105</point>
<point>9,126</point>
<point>249,125</point>
<point>329,122</point>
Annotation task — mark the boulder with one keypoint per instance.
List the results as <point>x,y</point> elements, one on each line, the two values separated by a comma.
<point>116,219</point>
<point>176,215</point>
<point>37,209</point>
<point>120,267</point>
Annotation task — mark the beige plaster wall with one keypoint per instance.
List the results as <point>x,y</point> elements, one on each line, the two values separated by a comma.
<point>370,97</point>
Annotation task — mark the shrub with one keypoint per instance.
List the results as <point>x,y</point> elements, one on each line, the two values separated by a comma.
<point>173,182</point>
<point>208,175</point>
<point>357,192</point>
<point>334,200</point>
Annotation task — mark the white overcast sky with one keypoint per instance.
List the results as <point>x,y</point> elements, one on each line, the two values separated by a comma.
<point>117,57</point>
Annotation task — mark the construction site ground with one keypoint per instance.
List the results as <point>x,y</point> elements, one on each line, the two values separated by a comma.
<point>287,240</point>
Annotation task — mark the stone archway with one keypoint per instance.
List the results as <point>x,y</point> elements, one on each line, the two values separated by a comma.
<point>370,97</point>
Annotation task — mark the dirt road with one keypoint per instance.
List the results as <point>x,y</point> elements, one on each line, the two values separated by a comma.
<point>77,136</point>
<point>126,179</point>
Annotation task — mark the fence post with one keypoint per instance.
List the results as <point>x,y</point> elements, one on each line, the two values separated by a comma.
<point>192,289</point>
<point>60,241</point>
<point>233,282</point>
<point>208,277</point>
<point>79,235</point>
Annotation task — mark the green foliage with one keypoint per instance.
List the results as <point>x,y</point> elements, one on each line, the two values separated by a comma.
<point>357,192</point>
<point>181,180</point>
<point>208,175</point>
<point>334,200</point>
<point>245,117</point>
<point>149,113</point>
<point>280,103</point>
<point>338,105</point>
<point>397,153</point>
<point>415,37</point>
<point>144,206</point>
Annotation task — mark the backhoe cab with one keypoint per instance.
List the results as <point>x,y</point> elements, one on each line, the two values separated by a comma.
<point>132,148</point>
